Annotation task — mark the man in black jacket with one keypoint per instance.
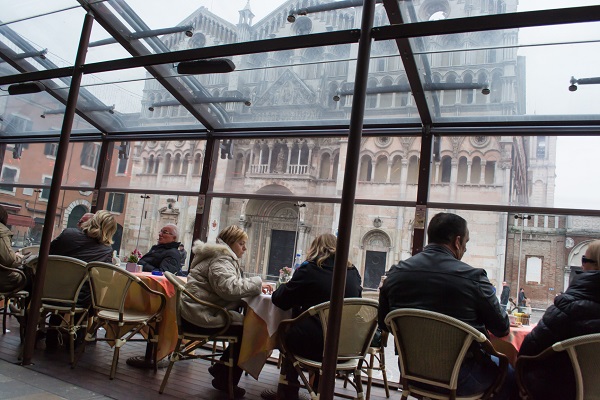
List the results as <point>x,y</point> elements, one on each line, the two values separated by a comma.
<point>436,280</point>
<point>163,256</point>
<point>505,295</point>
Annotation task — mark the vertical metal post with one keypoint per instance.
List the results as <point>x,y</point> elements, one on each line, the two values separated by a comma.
<point>522,218</point>
<point>327,383</point>
<point>209,168</point>
<point>137,242</point>
<point>59,166</point>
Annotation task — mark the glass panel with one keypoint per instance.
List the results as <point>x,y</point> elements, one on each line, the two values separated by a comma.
<point>28,115</point>
<point>280,166</point>
<point>27,9</point>
<point>437,9</point>
<point>145,216</point>
<point>168,165</point>
<point>538,171</point>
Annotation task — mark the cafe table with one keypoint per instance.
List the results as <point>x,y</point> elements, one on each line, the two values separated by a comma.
<point>511,343</point>
<point>260,332</point>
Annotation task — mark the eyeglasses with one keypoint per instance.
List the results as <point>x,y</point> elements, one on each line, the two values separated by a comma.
<point>166,232</point>
<point>584,260</point>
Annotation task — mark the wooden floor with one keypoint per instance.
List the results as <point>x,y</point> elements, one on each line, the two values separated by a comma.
<point>189,379</point>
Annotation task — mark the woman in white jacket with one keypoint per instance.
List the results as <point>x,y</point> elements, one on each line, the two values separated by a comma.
<point>216,276</point>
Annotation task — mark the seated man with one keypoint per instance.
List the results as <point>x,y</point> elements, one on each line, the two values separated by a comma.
<point>436,280</point>
<point>163,256</point>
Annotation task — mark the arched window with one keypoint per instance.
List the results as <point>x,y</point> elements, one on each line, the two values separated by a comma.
<point>365,171</point>
<point>476,170</point>
<point>413,170</point>
<point>333,89</point>
<point>239,165</point>
<point>168,164</point>
<point>381,169</point>
<point>467,94</point>
<point>396,171</point>
<point>325,166</point>
<point>450,94</point>
<point>197,164</point>
<point>480,98</point>
<point>490,171</point>
<point>496,88</point>
<point>462,170</point>
<point>150,165</point>
<point>372,98</point>
<point>336,161</point>
<point>446,167</point>
<point>403,95</point>
<point>185,164</point>
<point>176,167</point>
<point>386,98</point>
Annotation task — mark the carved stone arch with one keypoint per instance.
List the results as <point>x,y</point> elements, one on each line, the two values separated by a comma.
<point>574,258</point>
<point>376,239</point>
<point>70,207</point>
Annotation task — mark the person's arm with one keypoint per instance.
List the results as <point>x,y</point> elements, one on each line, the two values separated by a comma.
<point>290,294</point>
<point>384,307</point>
<point>494,318</point>
<point>7,255</point>
<point>228,284</point>
<point>171,262</point>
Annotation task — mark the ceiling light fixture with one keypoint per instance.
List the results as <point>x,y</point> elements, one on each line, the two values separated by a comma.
<point>25,88</point>
<point>429,87</point>
<point>212,66</point>
<point>336,5</point>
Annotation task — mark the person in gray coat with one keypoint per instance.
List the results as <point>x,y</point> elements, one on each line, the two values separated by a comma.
<point>216,276</point>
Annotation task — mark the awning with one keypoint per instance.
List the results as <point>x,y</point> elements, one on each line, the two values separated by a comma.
<point>20,220</point>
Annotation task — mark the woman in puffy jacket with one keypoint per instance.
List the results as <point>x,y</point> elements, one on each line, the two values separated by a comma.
<point>9,281</point>
<point>574,313</point>
<point>215,275</point>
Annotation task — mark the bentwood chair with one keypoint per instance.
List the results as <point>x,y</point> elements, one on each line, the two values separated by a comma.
<point>18,297</point>
<point>110,286</point>
<point>189,344</point>
<point>584,354</point>
<point>358,325</point>
<point>431,348</point>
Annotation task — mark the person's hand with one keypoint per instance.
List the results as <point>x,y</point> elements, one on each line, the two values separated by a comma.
<point>267,288</point>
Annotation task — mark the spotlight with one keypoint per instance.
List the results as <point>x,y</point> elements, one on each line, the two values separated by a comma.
<point>189,33</point>
<point>485,91</point>
<point>150,108</point>
<point>291,18</point>
<point>214,66</point>
<point>43,116</point>
<point>336,97</point>
<point>25,88</point>
<point>111,111</point>
<point>248,103</point>
<point>572,87</point>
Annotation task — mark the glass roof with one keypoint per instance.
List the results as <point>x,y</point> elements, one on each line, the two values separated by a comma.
<point>295,64</point>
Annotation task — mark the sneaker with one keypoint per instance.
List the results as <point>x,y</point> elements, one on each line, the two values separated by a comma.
<point>238,392</point>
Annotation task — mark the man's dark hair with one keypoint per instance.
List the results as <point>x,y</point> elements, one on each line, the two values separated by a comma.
<point>445,227</point>
<point>3,215</point>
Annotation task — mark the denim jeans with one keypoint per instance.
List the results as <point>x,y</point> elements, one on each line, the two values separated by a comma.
<point>477,376</point>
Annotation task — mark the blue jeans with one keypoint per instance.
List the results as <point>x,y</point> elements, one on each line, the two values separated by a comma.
<point>477,376</point>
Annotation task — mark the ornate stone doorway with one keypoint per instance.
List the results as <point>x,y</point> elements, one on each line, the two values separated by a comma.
<point>376,245</point>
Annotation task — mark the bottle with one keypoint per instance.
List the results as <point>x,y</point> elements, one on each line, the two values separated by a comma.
<point>297,262</point>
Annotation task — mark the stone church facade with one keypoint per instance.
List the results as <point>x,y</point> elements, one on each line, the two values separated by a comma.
<point>501,170</point>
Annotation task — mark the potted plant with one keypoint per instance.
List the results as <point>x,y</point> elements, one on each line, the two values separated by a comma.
<point>132,260</point>
<point>285,274</point>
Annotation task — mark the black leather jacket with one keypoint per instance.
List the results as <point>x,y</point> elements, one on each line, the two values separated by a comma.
<point>162,257</point>
<point>435,280</point>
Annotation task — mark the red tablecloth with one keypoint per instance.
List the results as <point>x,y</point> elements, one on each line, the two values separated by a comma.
<point>511,343</point>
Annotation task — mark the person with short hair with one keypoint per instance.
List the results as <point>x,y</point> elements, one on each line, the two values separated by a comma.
<point>84,218</point>
<point>437,280</point>
<point>164,255</point>
<point>575,312</point>
<point>216,276</point>
<point>182,254</point>
<point>505,295</point>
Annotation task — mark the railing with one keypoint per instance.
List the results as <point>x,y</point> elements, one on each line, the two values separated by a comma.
<point>291,169</point>
<point>298,169</point>
<point>259,169</point>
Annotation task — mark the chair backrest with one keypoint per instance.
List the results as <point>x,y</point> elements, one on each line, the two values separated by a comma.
<point>109,285</point>
<point>63,280</point>
<point>358,325</point>
<point>182,291</point>
<point>584,352</point>
<point>431,346</point>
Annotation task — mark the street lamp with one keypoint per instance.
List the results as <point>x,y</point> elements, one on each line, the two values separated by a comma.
<point>523,218</point>
<point>144,197</point>
<point>35,198</point>
<point>299,204</point>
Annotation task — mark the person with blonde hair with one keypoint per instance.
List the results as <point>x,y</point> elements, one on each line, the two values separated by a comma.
<point>310,285</point>
<point>91,242</point>
<point>574,313</point>
<point>216,275</point>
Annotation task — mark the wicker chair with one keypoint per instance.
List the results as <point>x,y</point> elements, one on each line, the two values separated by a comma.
<point>431,348</point>
<point>64,278</point>
<point>16,296</point>
<point>109,286</point>
<point>358,325</point>
<point>188,342</point>
<point>584,353</point>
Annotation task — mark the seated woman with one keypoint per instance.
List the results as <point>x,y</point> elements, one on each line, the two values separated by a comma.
<point>9,281</point>
<point>310,285</point>
<point>91,242</point>
<point>215,275</point>
<point>574,313</point>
